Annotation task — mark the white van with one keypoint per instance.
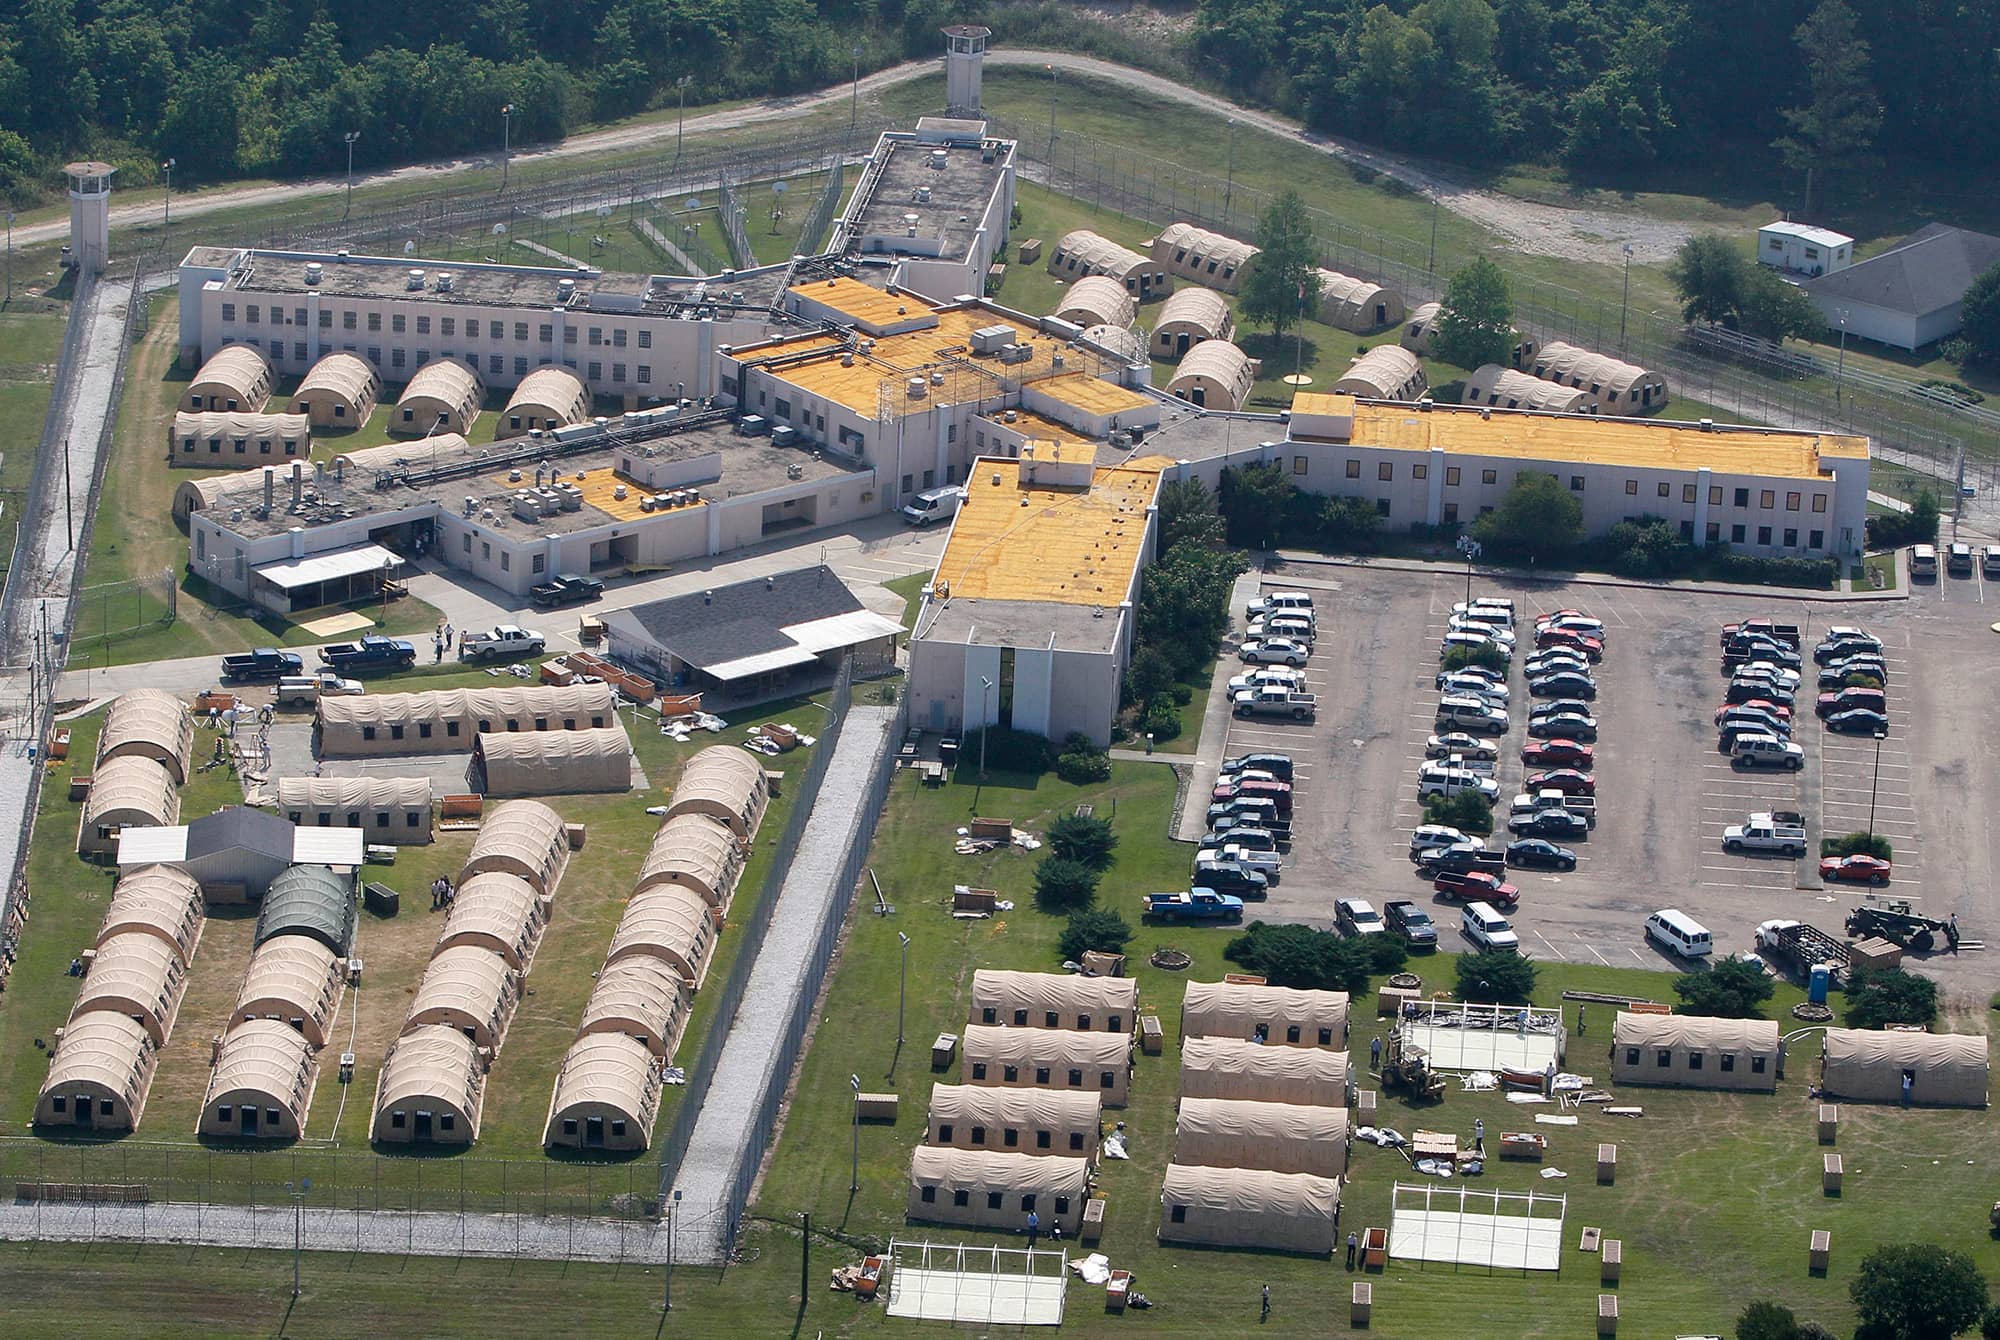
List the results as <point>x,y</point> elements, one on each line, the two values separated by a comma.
<point>1678,933</point>
<point>933,505</point>
<point>1766,751</point>
<point>1273,601</point>
<point>1485,927</point>
<point>1490,615</point>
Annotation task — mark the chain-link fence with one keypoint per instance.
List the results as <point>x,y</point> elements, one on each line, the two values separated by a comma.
<point>111,612</point>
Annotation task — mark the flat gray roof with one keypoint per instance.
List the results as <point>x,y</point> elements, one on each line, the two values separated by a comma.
<point>1031,624</point>
<point>958,194</point>
<point>479,283</point>
<point>1188,434</point>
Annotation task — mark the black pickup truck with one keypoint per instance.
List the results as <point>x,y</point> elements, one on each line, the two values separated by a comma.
<point>265,663</point>
<point>373,652</point>
<point>566,589</point>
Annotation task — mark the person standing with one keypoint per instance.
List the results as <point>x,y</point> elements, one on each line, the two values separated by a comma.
<point>1353,1246</point>
<point>1478,1135</point>
<point>1265,1315</point>
<point>1579,1020</point>
<point>1034,1229</point>
<point>1375,1055</point>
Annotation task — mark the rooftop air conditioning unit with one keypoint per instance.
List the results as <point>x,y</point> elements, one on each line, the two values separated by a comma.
<point>645,503</point>
<point>313,272</point>
<point>916,388</point>
<point>1016,353</point>
<point>1012,415</point>
<point>414,281</point>
<point>565,289</point>
<point>938,159</point>
<point>444,278</point>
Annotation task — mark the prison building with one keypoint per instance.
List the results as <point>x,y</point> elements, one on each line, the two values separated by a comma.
<point>156,900</point>
<point>546,399</point>
<point>498,912</point>
<point>295,980</point>
<point>1386,372</point>
<point>724,782</point>
<point>696,852</point>
<point>1496,387</point>
<point>99,1071</point>
<point>1202,256</point>
<point>1054,1000</point>
<point>643,997</point>
<point>1097,300</point>
<point>1049,1058</point>
<point>607,1094</point>
<point>133,791</point>
<point>340,391</point>
<point>554,763</point>
<point>261,1086</point>
<point>1188,317</point>
<point>1622,388</point>
<point>996,1190</point>
<point>1082,253</point>
<point>1214,375</point>
<point>1245,1207</point>
<point>234,379</point>
<point>1015,1121</point>
<point>1278,1015</point>
<point>310,900</point>
<point>524,838</point>
<point>444,397</point>
<point>149,723</point>
<point>1354,304</point>
<point>471,989</point>
<point>1276,1137</point>
<point>1234,1068</point>
<point>219,440</point>
<point>138,975</point>
<point>391,811</point>
<point>669,923</point>
<point>431,1088</point>
<point>438,721</point>
<point>1420,328</point>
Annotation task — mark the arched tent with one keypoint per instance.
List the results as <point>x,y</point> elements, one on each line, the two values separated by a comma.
<point>550,763</point>
<point>1188,317</point>
<point>469,989</point>
<point>547,398</point>
<point>444,397</point>
<point>525,838</point>
<point>128,792</point>
<point>643,997</point>
<point>669,923</point>
<point>98,1075</point>
<point>1232,1068</point>
<point>1695,1052</point>
<point>1420,328</point>
<point>391,810</point>
<point>696,851</point>
<point>498,912</point>
<point>1202,256</point>
<point>1280,1015</point>
<point>1083,252</point>
<point>156,900</point>
<point>237,441</point>
<point>1277,1137</point>
<point>1503,388</point>
<point>1054,1000</point>
<point>1050,1058</point>
<point>1356,304</point>
<point>1248,1207</point>
<point>1622,388</point>
<point>606,1095</point>
<point>262,1085</point>
<point>339,392</point>
<point>1943,1069</point>
<point>244,490</point>
<point>138,975</point>
<point>149,723</point>
<point>1020,1121</point>
<point>438,449</point>
<point>430,1090</point>
<point>1214,375</point>
<point>313,900</point>
<point>437,721</point>
<point>726,783</point>
<point>1386,372</point>
<point>981,1189</point>
<point>235,377</point>
<point>294,980</point>
<point>1127,344</point>
<point>1097,300</point>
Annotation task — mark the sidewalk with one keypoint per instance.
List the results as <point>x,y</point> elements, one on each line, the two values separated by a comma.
<point>1274,566</point>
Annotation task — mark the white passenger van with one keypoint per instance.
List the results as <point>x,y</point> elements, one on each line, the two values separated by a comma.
<point>1676,931</point>
<point>1485,927</point>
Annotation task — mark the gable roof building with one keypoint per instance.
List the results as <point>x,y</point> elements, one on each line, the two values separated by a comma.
<point>1911,294</point>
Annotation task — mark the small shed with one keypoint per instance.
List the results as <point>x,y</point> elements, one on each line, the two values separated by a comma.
<point>1503,388</point>
<point>295,980</point>
<point>129,792</point>
<point>1357,304</point>
<point>1054,1000</point>
<point>1277,1137</point>
<point>444,397</point>
<point>235,378</point>
<point>997,1191</point>
<point>262,1085</point>
<point>314,900</point>
<point>98,1075</point>
<point>1621,387</point>
<point>1020,1121</point>
<point>470,989</point>
<point>1083,252</point>
<point>156,900</point>
<point>607,1093</point>
<point>137,975</point>
<point>1202,256</point>
<point>643,997</point>
<point>697,851</point>
<point>1942,1069</point>
<point>1258,1013</point>
<point>498,912</point>
<point>1050,1058</point>
<point>391,810</point>
<point>1247,1207</point>
<point>1233,1068</point>
<point>1420,328</point>
<point>1386,372</point>
<point>430,1090</point>
<point>525,838</point>
<point>552,763</point>
<point>339,392</point>
<point>547,398</point>
<point>726,783</point>
<point>1696,1052</point>
<point>1214,375</point>
<point>149,723</point>
<point>220,440</point>
<point>1189,317</point>
<point>669,923</point>
<point>1097,300</point>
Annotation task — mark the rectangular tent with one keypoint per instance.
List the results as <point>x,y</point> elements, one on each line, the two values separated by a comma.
<point>1460,1226</point>
<point>1460,1035</point>
<point>1232,1068</point>
<point>1054,1000</point>
<point>1245,1207</point>
<point>550,763</point>
<point>1943,1069</point>
<point>391,810</point>
<point>1276,1137</point>
<point>955,1282</point>
<point>1024,1121</point>
<point>1050,1058</point>
<point>1694,1052</point>
<point>1275,1014</point>
<point>991,1190</point>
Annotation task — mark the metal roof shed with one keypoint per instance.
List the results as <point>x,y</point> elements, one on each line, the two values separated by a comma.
<point>1943,1069</point>
<point>1054,1000</point>
<point>525,838</point>
<point>1274,1014</point>
<point>310,900</point>
<point>98,1075</point>
<point>697,851</point>
<point>149,723</point>
<point>1232,1068</point>
<point>1277,1137</point>
<point>607,1094</point>
<point>1247,1207</point>
<point>262,1084</point>
<point>994,1190</point>
<point>295,980</point>
<point>432,1085</point>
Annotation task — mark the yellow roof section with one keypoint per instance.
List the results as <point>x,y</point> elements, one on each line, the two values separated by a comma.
<point>1322,402</point>
<point>600,488</point>
<point>1052,437</point>
<point>1012,541</point>
<point>880,378</point>
<point>1092,395</point>
<point>861,302</point>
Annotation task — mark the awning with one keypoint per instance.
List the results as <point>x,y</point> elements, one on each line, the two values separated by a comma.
<point>152,846</point>
<point>762,663</point>
<point>293,573</point>
<point>841,630</point>
<point>328,846</point>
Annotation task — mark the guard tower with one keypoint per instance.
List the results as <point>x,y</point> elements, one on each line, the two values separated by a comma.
<point>964,61</point>
<point>90,215</point>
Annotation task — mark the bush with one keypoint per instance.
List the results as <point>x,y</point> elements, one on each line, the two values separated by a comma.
<point>1878,996</point>
<point>1857,844</point>
<point>1496,977</point>
<point>1064,885</point>
<point>1488,657</point>
<point>1299,956</point>
<point>1183,694</point>
<point>1085,839</point>
<point>1162,720</point>
<point>1917,1291</point>
<point>1919,525</point>
<point>1082,767</point>
<point>1648,547</point>
<point>1094,928</point>
<point>1386,953</point>
<point>1010,750</point>
<point>1467,811</point>
<point>1809,573</point>
<point>1767,1321</point>
<point>1732,989</point>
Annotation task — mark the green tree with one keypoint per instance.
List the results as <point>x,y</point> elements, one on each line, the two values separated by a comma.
<point>1467,811</point>
<point>1496,977</point>
<point>1709,274</point>
<point>1255,501</point>
<point>1775,310</point>
<point>1347,524</point>
<point>1917,1291</point>
<point>1488,657</point>
<point>1622,119</point>
<point>1766,1321</point>
<point>1063,885</point>
<point>1835,129</point>
<point>1282,283</point>
<point>1924,516</point>
<point>1299,956</point>
<point>1537,515</point>
<point>1093,928</point>
<point>1184,605</point>
<point>1981,331</point>
<point>1989,1325</point>
<point>1083,838</point>
<point>1475,326</point>
<point>1188,515</point>
<point>1732,989</point>
<point>1878,996</point>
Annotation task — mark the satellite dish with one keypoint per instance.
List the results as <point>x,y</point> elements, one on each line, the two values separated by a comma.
<point>499,230</point>
<point>606,211</point>
<point>780,187</point>
<point>409,248</point>
<point>694,202</point>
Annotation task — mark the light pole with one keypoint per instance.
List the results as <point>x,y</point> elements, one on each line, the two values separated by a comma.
<point>854,101</point>
<point>1840,366</point>
<point>985,721</point>
<point>902,986</point>
<point>167,206</point>
<point>1229,182</point>
<point>1052,117</point>
<point>1626,300</point>
<point>10,256</point>
<point>680,122</point>
<point>667,1289</point>
<point>1471,548</point>
<point>506,142</point>
<point>351,136</point>
<point>298,1226</point>
<point>1881,734</point>
<point>854,1177</point>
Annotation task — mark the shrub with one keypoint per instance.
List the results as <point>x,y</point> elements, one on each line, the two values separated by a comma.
<point>1467,811</point>
<point>1299,956</point>
<point>1085,839</point>
<point>1496,977</point>
<point>1094,928</point>
<point>1919,525</point>
<point>1010,750</point>
<point>1162,720</point>
<point>1183,694</point>
<point>1648,547</point>
<point>1488,657</point>
<point>1811,573</point>
<point>1767,1321</point>
<point>1732,989</point>
<point>1082,767</point>
<point>1064,885</point>
<point>1857,844</point>
<point>1386,953</point>
<point>1878,996</point>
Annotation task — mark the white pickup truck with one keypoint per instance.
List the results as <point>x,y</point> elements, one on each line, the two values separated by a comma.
<point>1784,833</point>
<point>1583,806</point>
<point>507,640</point>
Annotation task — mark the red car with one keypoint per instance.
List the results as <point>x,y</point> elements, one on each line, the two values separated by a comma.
<point>1846,700</point>
<point>1279,793</point>
<point>1562,637</point>
<point>1557,754</point>
<point>1569,781</point>
<point>1778,710</point>
<point>1476,886</point>
<point>1855,869</point>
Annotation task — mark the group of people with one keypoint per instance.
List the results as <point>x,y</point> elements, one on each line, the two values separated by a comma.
<point>440,639</point>
<point>442,893</point>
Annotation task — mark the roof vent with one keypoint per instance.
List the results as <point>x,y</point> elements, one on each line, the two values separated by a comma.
<point>444,278</point>
<point>313,272</point>
<point>414,281</point>
<point>1708,425</point>
<point>341,255</point>
<point>565,289</point>
<point>938,159</point>
<point>996,479</point>
<point>708,597</point>
<point>923,195</point>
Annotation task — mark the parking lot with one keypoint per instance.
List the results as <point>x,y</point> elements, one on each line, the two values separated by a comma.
<point>1664,790</point>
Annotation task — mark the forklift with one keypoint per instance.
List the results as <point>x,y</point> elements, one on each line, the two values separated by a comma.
<point>1405,1066</point>
<point>1897,919</point>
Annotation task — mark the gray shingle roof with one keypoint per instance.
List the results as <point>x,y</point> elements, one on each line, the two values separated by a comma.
<point>742,619</point>
<point>240,826</point>
<point>1926,272</point>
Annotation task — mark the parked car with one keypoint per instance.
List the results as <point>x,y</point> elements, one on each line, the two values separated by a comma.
<point>1473,641</point>
<point>1406,919</point>
<point>1533,853</point>
<point>264,663</point>
<point>1457,783</point>
<point>1557,754</point>
<point>1503,636</point>
<point>1277,765</point>
<point>1549,823</point>
<point>1776,710</point>
<point>1568,725</point>
<point>1431,837</point>
<point>1471,714</point>
<point>1843,700</point>
<point>1766,751</point>
<point>1461,745</point>
<point>1571,622</point>
<point>1199,904</point>
<point>1569,781</point>
<point>1835,676</point>
<point>1267,676</point>
<point>1230,877</point>
<point>1559,707</point>
<point>1265,863</point>
<point>1493,695</point>
<point>1563,684</point>
<point>932,505</point>
<point>1592,649</point>
<point>1471,672</point>
<point>1245,835</point>
<point>1476,886</point>
<point>1273,601</point>
<point>1279,792</point>
<point>1857,869</point>
<point>1274,651</point>
<point>1738,720</point>
<point>1282,625</point>
<point>1840,644</point>
<point>1858,721</point>
<point>1461,856</point>
<point>565,589</point>
<point>1555,659</point>
<point>1742,691</point>
<point>1357,916</point>
<point>1729,732</point>
<point>1482,924</point>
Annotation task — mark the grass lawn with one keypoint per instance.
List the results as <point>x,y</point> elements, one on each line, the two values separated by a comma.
<point>1885,564</point>
<point>911,589</point>
<point>31,335</point>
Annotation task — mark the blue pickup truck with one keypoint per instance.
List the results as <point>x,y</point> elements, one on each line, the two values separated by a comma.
<point>373,652</point>
<point>1194,905</point>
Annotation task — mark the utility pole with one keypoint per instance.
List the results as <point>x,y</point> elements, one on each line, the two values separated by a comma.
<point>680,122</point>
<point>805,1253</point>
<point>1840,367</point>
<point>986,721</point>
<point>854,102</point>
<point>902,986</point>
<point>1052,118</point>
<point>69,501</point>
<point>350,137</point>
<point>167,205</point>
<point>854,1177</point>
<point>1626,300</point>
<point>10,256</point>
<point>506,142</point>
<point>1881,734</point>
<point>1229,182</point>
<point>1430,267</point>
<point>667,1290</point>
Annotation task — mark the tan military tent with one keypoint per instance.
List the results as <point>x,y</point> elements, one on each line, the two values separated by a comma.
<point>1246,1207</point>
<point>430,1090</point>
<point>498,912</point>
<point>1050,1058</point>
<point>555,763</point>
<point>444,397</point>
<point>156,900</point>
<point>138,975</point>
<point>339,392</point>
<point>1215,374</point>
<point>262,1085</point>
<point>698,852</point>
<point>1696,1052</point>
<point>238,441</point>
<point>525,838</point>
<point>670,923</point>
<point>1355,304</point>
<point>294,980</point>
<point>149,723</point>
<point>1019,1121</point>
<point>980,1189</point>
<point>1943,1069</point>
<point>235,377</point>
<point>98,1075</point>
<point>726,783</point>
<point>1205,257</point>
<point>547,398</point>
<point>1503,388</point>
<point>1275,1014</point>
<point>1623,388</point>
<point>1189,317</point>
<point>1054,1000</point>
<point>607,1094</point>
<point>1386,372</point>
<point>1420,328</point>
<point>443,721</point>
<point>468,988</point>
<point>1097,300</point>
<point>394,811</point>
<point>643,997</point>
<point>1083,252</point>
<point>132,791</point>
<point>1232,1068</point>
<point>1277,1137</point>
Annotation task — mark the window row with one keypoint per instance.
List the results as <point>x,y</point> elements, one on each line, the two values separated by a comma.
<point>1010,1138</point>
<point>1663,1058</point>
<point>1011,1074</point>
<point>1113,1023</point>
<point>995,1200</point>
<point>401,322</point>
<point>451,728</point>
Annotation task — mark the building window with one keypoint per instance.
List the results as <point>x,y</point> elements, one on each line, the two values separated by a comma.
<point>539,563</point>
<point>229,311</point>
<point>1382,506</point>
<point>597,372</point>
<point>1737,533</point>
<point>1385,471</point>
<point>486,550</point>
<point>1451,475</point>
<point>1694,1060</point>
<point>1178,1214</point>
<point>494,330</point>
<point>398,322</point>
<point>1631,1056</point>
<point>326,320</point>
<point>347,320</point>
<point>520,332</point>
<point>1576,483</point>
<point>1714,531</point>
<point>1298,465</point>
<point>1632,486</point>
<point>645,339</point>
<point>250,314</point>
<point>1791,537</point>
<point>1816,539</point>
<point>1726,1061</point>
<point>646,378</point>
<point>1354,469</point>
<point>396,358</point>
<point>1489,476</point>
<point>1756,1065</point>
<point>1819,502</point>
<point>545,333</point>
<point>1764,535</point>
<point>1451,513</point>
<point>569,335</point>
<point>448,325</point>
<point>617,339</point>
<point>505,558</point>
<point>374,321</point>
<point>596,336</point>
<point>1792,502</point>
<point>299,351</point>
<point>1767,498</point>
<point>1420,472</point>
<point>1663,1057</point>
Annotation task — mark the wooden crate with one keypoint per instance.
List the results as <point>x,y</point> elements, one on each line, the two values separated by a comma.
<point>1152,1037</point>
<point>973,900</point>
<point>1389,1000</point>
<point>1831,1170</point>
<point>1829,1122</point>
<point>1607,1314</point>
<point>1093,1219</point>
<point>991,830</point>
<point>1029,251</point>
<point>1607,1164</point>
<point>876,1106</point>
<point>1361,1303</point>
<point>1611,1261</point>
<point>1819,1250</point>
